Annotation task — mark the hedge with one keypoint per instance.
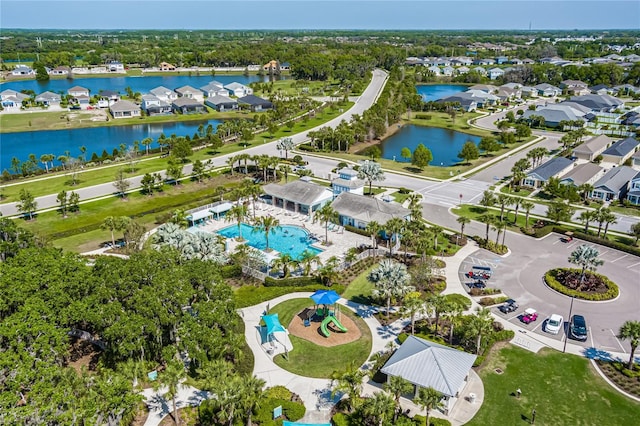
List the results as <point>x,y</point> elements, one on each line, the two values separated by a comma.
<point>291,282</point>
<point>357,230</point>
<point>291,410</point>
<point>551,280</point>
<point>340,419</point>
<point>306,147</point>
<point>602,241</point>
<point>433,421</point>
<point>249,296</point>
<point>230,271</point>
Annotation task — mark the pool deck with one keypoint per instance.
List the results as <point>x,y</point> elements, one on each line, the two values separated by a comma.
<point>341,241</point>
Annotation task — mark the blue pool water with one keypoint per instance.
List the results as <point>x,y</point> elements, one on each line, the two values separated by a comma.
<point>433,92</point>
<point>291,240</point>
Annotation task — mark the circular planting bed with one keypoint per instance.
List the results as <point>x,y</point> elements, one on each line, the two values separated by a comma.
<point>594,287</point>
<point>313,354</point>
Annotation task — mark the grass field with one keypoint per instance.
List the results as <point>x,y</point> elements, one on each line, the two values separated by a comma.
<point>563,389</point>
<point>310,360</point>
<point>359,290</point>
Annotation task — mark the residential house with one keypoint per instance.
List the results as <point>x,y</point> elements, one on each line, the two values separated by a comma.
<point>554,114</point>
<point>635,160</point>
<point>49,99</point>
<point>114,66</point>
<point>124,109</point>
<point>516,61</point>
<point>633,190</point>
<point>214,88</point>
<point>555,167</point>
<point>273,67</point>
<point>254,103</point>
<point>435,70</point>
<point>164,94</point>
<point>481,61</point>
<point>502,60</point>
<point>76,91</point>
<point>11,99</point>
<point>448,71</point>
<point>527,61</point>
<point>186,105</point>
<point>488,88</point>
<point>506,94</point>
<point>581,174</point>
<point>300,196</point>
<point>598,103</point>
<point>614,184</point>
<point>358,210</point>
<point>238,90</point>
<point>547,90</point>
<point>590,149</point>
<point>221,103</point>
<point>347,181</point>
<point>528,91</point>
<point>108,98</point>
<point>152,105</point>
<point>165,66</point>
<point>23,71</point>
<point>285,66</point>
<point>575,87</point>
<point>495,73</point>
<point>463,70</point>
<point>620,151</point>
<point>60,71</point>
<point>426,364</point>
<point>480,70</point>
<point>190,93</point>
<point>601,89</point>
<point>467,101</point>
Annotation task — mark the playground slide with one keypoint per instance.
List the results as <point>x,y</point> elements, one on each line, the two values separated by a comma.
<point>328,320</point>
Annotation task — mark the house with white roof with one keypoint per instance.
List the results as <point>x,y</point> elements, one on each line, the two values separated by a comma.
<point>435,70</point>
<point>463,70</point>
<point>301,196</point>
<point>547,90</point>
<point>114,66</point>
<point>23,71</point>
<point>238,90</point>
<point>495,73</point>
<point>480,71</point>
<point>164,94</point>
<point>214,88</point>
<point>49,99</point>
<point>124,109</point>
<point>76,91</point>
<point>591,148</point>
<point>347,181</point>
<point>190,93</point>
<point>358,210</point>
<point>11,99</point>
<point>447,71</point>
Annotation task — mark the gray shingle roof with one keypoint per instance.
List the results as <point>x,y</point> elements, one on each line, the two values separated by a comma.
<point>348,183</point>
<point>182,102</point>
<point>255,100</point>
<point>124,106</point>
<point>593,145</point>
<point>553,114</point>
<point>622,148</point>
<point>428,364</point>
<point>221,100</point>
<point>367,209</point>
<point>597,102</point>
<point>581,174</point>
<point>48,96</point>
<point>187,89</point>
<point>616,179</point>
<point>161,91</point>
<point>305,193</point>
<point>550,168</point>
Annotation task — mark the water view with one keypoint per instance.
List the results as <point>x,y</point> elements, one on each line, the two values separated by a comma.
<point>95,139</point>
<point>445,144</point>
<point>137,84</point>
<point>433,92</point>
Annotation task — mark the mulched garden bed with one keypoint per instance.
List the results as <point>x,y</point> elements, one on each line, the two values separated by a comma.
<point>614,372</point>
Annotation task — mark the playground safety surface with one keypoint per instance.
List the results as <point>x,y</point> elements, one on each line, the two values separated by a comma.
<point>312,333</point>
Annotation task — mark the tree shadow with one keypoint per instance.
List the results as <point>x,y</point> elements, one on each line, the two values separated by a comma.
<point>413,169</point>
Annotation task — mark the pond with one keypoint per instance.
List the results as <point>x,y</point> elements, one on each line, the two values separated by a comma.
<point>95,139</point>
<point>433,92</point>
<point>137,84</point>
<point>445,144</point>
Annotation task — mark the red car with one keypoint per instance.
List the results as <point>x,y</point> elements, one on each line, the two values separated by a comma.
<point>529,316</point>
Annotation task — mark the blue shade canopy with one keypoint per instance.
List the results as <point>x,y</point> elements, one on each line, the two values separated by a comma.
<point>273,323</point>
<point>325,297</point>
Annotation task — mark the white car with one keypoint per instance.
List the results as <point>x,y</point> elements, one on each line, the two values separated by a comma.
<point>554,324</point>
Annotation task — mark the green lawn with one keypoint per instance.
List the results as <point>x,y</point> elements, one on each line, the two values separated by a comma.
<point>310,360</point>
<point>443,120</point>
<point>630,211</point>
<point>359,290</point>
<point>522,192</point>
<point>563,389</point>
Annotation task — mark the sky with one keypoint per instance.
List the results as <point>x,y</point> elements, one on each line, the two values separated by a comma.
<point>321,14</point>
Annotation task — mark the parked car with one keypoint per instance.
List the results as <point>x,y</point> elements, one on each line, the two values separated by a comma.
<point>509,306</point>
<point>554,324</point>
<point>477,284</point>
<point>578,328</point>
<point>529,316</point>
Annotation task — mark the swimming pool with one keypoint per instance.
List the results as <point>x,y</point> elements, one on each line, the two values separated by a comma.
<point>291,240</point>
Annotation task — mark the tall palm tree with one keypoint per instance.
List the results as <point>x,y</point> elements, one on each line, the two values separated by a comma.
<point>438,304</point>
<point>393,227</point>
<point>488,220</point>
<point>348,381</point>
<point>586,216</point>
<point>374,229</point>
<point>179,217</point>
<point>499,226</point>
<point>307,259</point>
<point>585,189</point>
<point>429,399</point>
<point>609,219</point>
<point>231,161</point>
<point>454,315</point>
<point>171,378</point>
<point>504,200</point>
<point>462,221</point>
<point>487,200</point>
<point>587,258</point>
<point>516,202</point>
<point>527,206</point>
<point>283,263</point>
<point>253,192</point>
<point>414,205</point>
<point>630,331</point>
<point>397,386</point>
<point>480,324</point>
<point>251,393</point>
<point>390,279</point>
<point>267,224</point>
<point>238,214</point>
<point>326,214</point>
<point>436,231</point>
<point>379,407</point>
<point>413,305</point>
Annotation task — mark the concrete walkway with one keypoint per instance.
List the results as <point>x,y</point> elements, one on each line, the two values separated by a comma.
<point>160,407</point>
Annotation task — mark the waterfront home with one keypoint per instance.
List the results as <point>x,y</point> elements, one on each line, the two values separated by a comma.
<point>555,167</point>
<point>238,90</point>
<point>547,90</point>
<point>489,88</point>
<point>108,98</point>
<point>23,71</point>
<point>620,151</point>
<point>124,109</point>
<point>254,103</point>
<point>11,99</point>
<point>214,88</point>
<point>447,71</point>
<point>114,66</point>
<point>60,71</point>
<point>164,94</point>
<point>614,184</point>
<point>300,196</point>
<point>480,70</point>
<point>581,174</point>
<point>633,190</point>
<point>165,66</point>
<point>358,210</point>
<point>463,70</point>
<point>590,149</point>
<point>429,365</point>
<point>435,70</point>
<point>152,105</point>
<point>76,91</point>
<point>495,73</point>
<point>187,106</point>
<point>190,93</point>
<point>466,100</point>
<point>49,99</point>
<point>221,103</point>
<point>347,181</point>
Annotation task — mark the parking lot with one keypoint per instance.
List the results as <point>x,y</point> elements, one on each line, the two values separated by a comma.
<point>520,276</point>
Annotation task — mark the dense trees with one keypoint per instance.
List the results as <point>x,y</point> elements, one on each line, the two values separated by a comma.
<point>422,156</point>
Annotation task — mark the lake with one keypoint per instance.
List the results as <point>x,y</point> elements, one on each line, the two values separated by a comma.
<point>137,84</point>
<point>95,139</point>
<point>433,92</point>
<point>445,144</point>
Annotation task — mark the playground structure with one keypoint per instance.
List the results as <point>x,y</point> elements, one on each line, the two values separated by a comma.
<point>274,337</point>
<point>326,298</point>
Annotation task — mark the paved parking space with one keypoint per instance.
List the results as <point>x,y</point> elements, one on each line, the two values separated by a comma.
<point>520,276</point>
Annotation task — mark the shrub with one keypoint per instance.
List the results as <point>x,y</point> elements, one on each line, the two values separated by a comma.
<point>291,410</point>
<point>230,271</point>
<point>249,296</point>
<point>278,392</point>
<point>605,242</point>
<point>488,301</point>
<point>433,421</point>
<point>551,280</point>
<point>306,147</point>
<point>424,116</point>
<point>404,191</point>
<point>291,282</point>
<point>340,419</point>
<point>357,230</point>
<point>459,299</point>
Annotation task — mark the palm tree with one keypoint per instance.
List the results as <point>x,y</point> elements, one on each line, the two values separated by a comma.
<point>397,386</point>
<point>487,219</point>
<point>171,378</point>
<point>516,202</point>
<point>267,224</point>
<point>480,324</point>
<point>413,305</point>
<point>438,304</point>
<point>499,226</point>
<point>390,279</point>
<point>609,219</point>
<point>462,221</point>
<point>283,263</point>
<point>230,162</point>
<point>325,215</point>
<point>393,227</point>
<point>179,217</point>
<point>370,171</point>
<point>244,157</point>
<point>527,206</point>
<point>237,214</point>
<point>587,258</point>
<point>630,331</point>
<point>586,217</point>
<point>414,205</point>
<point>348,381</point>
<point>114,223</point>
<point>504,200</point>
<point>329,272</point>
<point>374,229</point>
<point>252,191</point>
<point>428,399</point>
<point>436,231</point>
<point>379,407</point>
<point>487,200</point>
<point>454,314</point>
<point>307,259</point>
<point>585,189</point>
<point>251,393</point>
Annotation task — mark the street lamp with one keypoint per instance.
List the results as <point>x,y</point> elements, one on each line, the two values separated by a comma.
<point>566,335</point>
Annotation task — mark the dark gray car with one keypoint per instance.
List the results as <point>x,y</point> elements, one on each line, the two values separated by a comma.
<point>578,328</point>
